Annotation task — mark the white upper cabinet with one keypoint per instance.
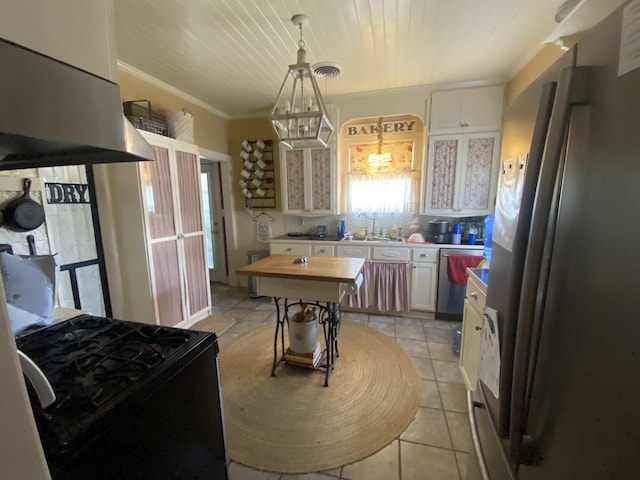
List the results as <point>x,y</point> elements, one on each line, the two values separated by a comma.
<point>310,184</point>
<point>462,174</point>
<point>309,180</point>
<point>466,110</point>
<point>76,32</point>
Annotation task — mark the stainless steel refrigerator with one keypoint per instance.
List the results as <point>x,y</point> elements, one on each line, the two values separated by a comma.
<point>564,272</point>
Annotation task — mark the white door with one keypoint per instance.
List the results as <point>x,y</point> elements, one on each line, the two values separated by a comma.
<point>214,219</point>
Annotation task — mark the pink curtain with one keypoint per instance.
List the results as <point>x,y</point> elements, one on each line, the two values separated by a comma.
<point>385,287</point>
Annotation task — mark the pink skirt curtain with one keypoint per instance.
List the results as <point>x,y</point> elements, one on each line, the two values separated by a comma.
<point>385,287</point>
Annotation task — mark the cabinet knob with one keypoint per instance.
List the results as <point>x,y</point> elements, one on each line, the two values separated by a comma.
<point>424,254</point>
<point>288,250</point>
<point>474,295</point>
<point>323,251</point>
<point>478,328</point>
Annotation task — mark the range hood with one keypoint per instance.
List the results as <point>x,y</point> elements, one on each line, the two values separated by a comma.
<point>54,114</point>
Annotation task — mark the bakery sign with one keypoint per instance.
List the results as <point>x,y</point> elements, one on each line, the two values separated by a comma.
<point>387,127</point>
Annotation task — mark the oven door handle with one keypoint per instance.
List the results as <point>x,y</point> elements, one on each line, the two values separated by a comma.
<point>38,380</point>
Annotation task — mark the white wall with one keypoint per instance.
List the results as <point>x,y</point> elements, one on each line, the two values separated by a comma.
<point>78,32</point>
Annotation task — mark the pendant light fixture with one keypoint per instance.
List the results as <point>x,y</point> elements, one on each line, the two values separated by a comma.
<point>299,116</point>
<point>379,159</point>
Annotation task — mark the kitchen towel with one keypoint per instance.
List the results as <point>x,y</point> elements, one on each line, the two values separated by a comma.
<point>457,267</point>
<point>264,231</point>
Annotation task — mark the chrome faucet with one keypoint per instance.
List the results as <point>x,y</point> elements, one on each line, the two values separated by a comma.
<point>373,230</point>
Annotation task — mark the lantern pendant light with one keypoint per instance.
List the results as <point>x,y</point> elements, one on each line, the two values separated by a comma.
<point>299,116</point>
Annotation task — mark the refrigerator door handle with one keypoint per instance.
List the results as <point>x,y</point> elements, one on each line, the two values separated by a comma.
<point>571,90</point>
<point>475,437</point>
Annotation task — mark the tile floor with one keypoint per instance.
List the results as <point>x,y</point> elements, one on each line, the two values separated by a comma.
<point>434,446</point>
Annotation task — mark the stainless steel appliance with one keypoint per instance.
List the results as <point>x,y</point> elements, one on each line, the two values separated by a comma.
<point>450,302</point>
<point>55,114</point>
<point>131,400</point>
<point>437,231</point>
<point>567,403</point>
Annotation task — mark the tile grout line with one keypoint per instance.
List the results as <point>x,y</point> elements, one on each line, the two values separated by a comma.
<point>395,324</point>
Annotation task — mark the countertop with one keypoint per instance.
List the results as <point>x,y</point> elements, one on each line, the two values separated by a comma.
<point>333,240</point>
<point>328,269</point>
<point>482,274</point>
<point>306,237</point>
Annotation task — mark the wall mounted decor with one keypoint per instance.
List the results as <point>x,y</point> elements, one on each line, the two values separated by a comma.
<point>257,179</point>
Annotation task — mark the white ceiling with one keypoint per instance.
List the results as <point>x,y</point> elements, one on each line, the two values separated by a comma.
<point>233,54</point>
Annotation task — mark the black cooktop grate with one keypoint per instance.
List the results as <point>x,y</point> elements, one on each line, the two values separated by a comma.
<point>90,360</point>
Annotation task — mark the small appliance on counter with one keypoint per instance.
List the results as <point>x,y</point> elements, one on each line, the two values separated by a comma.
<point>321,231</point>
<point>437,231</point>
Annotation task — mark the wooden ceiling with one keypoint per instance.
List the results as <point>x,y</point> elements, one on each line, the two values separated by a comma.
<point>233,54</point>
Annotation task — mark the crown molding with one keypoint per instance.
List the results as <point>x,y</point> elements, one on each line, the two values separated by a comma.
<point>170,89</point>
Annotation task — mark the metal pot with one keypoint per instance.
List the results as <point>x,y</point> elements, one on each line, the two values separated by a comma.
<point>437,227</point>
<point>23,213</point>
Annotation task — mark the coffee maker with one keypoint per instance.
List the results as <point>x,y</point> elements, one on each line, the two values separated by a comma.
<point>437,231</point>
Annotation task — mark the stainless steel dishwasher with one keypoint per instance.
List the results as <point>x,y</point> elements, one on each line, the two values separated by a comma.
<point>450,304</point>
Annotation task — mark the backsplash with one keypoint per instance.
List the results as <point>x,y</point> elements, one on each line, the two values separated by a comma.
<point>67,232</point>
<point>357,224</point>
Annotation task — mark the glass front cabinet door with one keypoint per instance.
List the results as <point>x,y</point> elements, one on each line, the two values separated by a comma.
<point>462,174</point>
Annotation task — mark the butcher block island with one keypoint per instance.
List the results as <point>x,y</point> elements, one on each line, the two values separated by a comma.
<point>298,282</point>
<point>324,279</point>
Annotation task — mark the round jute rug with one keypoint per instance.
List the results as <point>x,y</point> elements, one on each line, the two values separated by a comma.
<point>291,423</point>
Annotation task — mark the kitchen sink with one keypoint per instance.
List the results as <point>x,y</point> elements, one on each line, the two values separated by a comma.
<point>373,239</point>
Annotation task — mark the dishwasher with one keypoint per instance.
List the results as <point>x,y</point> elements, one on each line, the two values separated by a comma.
<point>450,303</point>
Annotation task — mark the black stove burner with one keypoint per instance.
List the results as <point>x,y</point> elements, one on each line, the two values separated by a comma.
<point>90,361</point>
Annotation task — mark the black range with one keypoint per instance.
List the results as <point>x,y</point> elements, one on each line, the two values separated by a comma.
<point>128,397</point>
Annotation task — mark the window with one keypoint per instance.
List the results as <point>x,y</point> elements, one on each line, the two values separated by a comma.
<point>379,184</point>
<point>380,165</point>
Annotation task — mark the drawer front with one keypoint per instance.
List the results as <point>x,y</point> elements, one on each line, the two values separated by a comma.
<point>386,253</point>
<point>356,252</point>
<point>324,250</point>
<point>476,295</point>
<point>424,255</point>
<point>290,248</point>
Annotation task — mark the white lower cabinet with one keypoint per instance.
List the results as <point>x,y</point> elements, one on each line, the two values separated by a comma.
<point>324,250</point>
<point>290,248</point>
<point>424,278</point>
<point>472,331</point>
<point>424,263</point>
<point>354,251</point>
